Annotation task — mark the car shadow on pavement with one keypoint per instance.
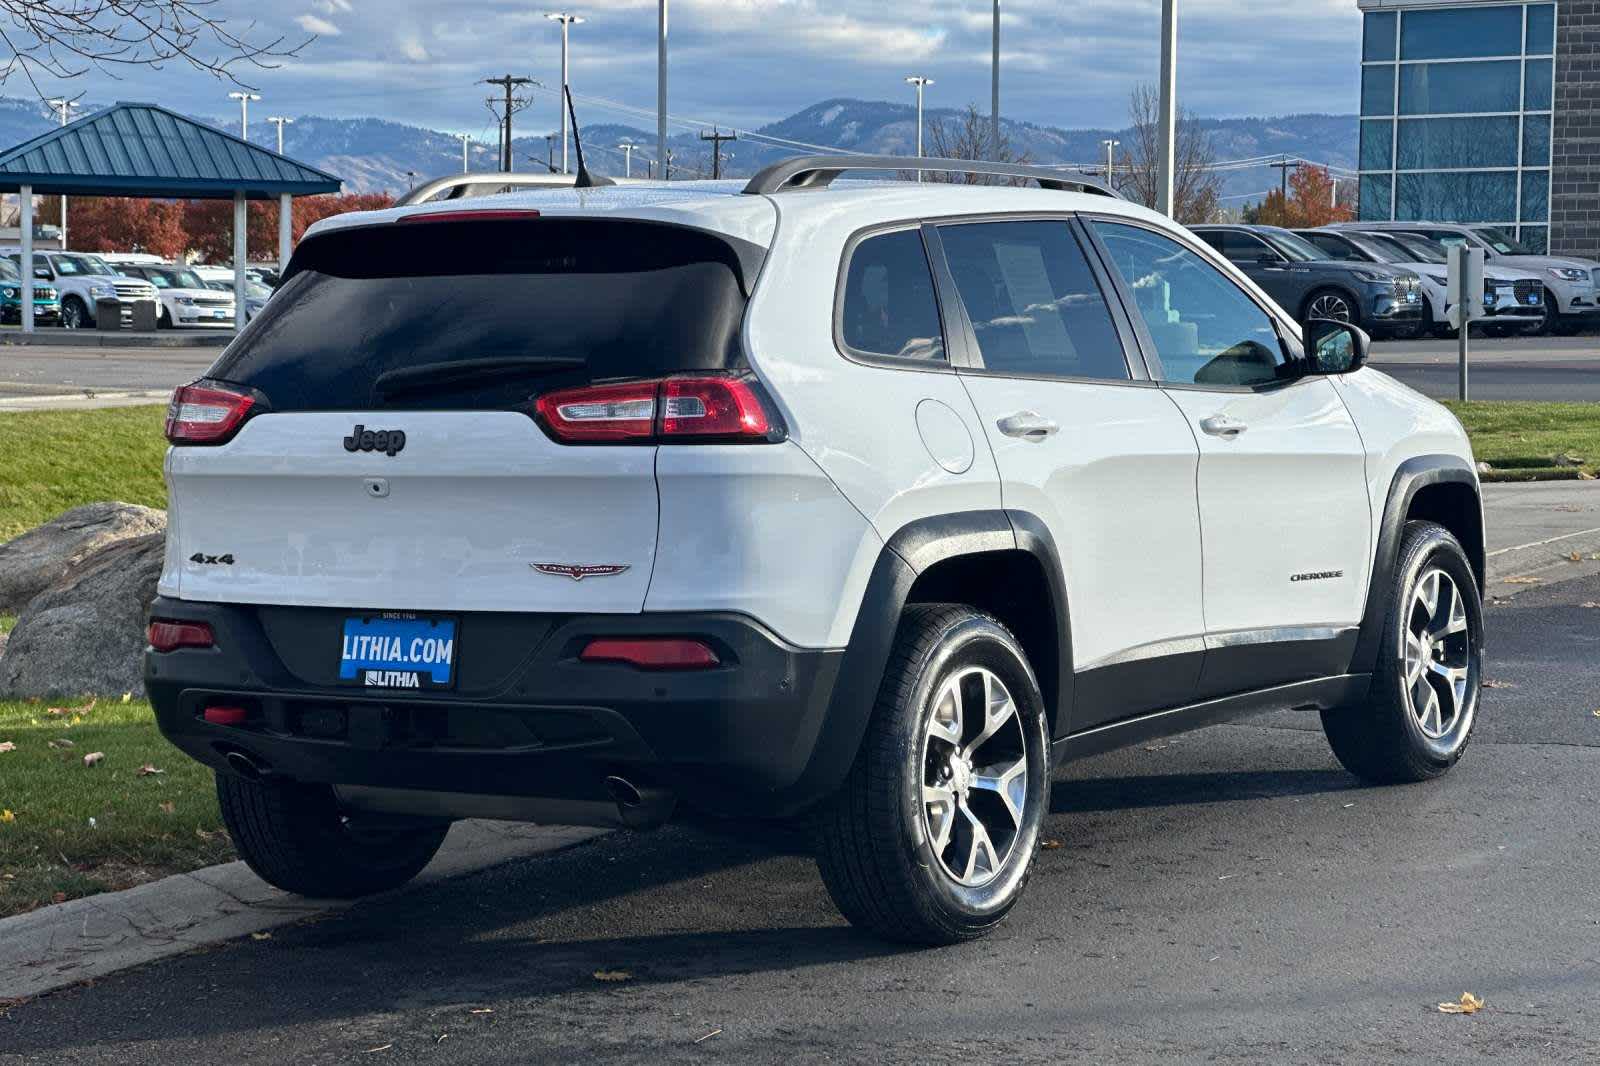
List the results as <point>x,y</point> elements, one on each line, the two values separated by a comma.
<point>1086,795</point>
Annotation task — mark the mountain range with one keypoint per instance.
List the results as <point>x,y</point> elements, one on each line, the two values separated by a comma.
<point>373,154</point>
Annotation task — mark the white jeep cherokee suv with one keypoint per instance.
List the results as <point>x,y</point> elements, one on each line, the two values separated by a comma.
<point>863,503</point>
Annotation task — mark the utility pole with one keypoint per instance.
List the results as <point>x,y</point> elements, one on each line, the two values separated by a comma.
<point>716,140</point>
<point>466,139</point>
<point>280,121</point>
<point>244,111</point>
<point>567,22</point>
<point>1167,132</point>
<point>920,83</point>
<point>627,148</point>
<point>1283,166</point>
<point>994,101</point>
<point>508,83</point>
<point>1111,147</point>
<point>661,81</point>
<point>550,152</point>
<point>666,167</point>
<point>63,107</point>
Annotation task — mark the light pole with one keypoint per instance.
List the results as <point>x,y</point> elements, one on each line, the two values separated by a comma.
<point>466,140</point>
<point>567,22</point>
<point>627,148</point>
<point>1167,131</point>
<point>661,83</point>
<point>63,107</point>
<point>920,83</point>
<point>1111,147</point>
<point>994,104</point>
<point>244,112</point>
<point>280,121</point>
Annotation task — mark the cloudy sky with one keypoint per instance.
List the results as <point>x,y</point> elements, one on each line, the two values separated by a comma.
<point>1069,63</point>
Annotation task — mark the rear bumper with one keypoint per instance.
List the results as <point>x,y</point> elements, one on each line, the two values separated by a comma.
<point>749,737</point>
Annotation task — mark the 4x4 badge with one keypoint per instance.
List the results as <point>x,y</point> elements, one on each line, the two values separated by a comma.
<point>578,573</point>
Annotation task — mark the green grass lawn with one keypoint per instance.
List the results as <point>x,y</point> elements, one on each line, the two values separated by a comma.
<point>1522,440</point>
<point>56,460</point>
<point>69,830</point>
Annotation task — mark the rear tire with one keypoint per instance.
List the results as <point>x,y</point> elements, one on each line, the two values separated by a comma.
<point>931,838</point>
<point>295,837</point>
<point>1330,304</point>
<point>1417,719</point>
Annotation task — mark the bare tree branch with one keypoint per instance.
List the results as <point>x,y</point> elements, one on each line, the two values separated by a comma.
<point>969,137</point>
<point>64,39</point>
<point>1196,186</point>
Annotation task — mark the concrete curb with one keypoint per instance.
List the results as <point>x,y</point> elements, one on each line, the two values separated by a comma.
<point>89,338</point>
<point>83,401</point>
<point>87,938</point>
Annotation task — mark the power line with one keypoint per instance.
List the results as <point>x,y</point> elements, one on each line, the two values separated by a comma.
<point>1283,166</point>
<point>716,138</point>
<point>509,82</point>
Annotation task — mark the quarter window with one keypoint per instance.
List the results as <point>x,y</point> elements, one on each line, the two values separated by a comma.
<point>1033,301</point>
<point>1205,329</point>
<point>889,305</point>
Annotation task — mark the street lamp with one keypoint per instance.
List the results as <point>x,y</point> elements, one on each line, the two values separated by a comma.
<point>567,22</point>
<point>64,108</point>
<point>466,140</point>
<point>994,73</point>
<point>244,112</point>
<point>280,121</point>
<point>1110,147</point>
<point>920,83</point>
<point>627,148</point>
<point>1167,132</point>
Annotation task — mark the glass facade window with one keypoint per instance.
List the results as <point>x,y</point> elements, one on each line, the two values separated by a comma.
<point>1377,36</point>
<point>1458,143</point>
<point>1377,145</point>
<point>1535,238</point>
<point>1541,29</point>
<point>1456,121</point>
<point>1459,88</point>
<point>1462,33</point>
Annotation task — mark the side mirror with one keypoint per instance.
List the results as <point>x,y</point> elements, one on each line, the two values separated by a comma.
<point>1334,347</point>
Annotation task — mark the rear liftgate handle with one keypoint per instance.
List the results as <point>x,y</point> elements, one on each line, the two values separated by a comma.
<point>1029,426</point>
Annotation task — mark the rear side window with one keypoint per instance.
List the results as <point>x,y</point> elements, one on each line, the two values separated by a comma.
<point>889,308</point>
<point>527,306</point>
<point>1034,304</point>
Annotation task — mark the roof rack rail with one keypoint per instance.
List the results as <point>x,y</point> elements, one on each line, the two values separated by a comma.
<point>456,186</point>
<point>819,171</point>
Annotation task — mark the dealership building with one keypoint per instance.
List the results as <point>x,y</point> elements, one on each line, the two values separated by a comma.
<point>1484,112</point>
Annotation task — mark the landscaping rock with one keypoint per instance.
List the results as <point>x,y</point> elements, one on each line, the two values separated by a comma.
<point>43,556</point>
<point>84,635</point>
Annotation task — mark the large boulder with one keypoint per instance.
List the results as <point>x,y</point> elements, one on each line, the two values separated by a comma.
<point>41,557</point>
<point>84,635</point>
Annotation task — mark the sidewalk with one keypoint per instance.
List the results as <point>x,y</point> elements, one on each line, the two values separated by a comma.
<point>1534,529</point>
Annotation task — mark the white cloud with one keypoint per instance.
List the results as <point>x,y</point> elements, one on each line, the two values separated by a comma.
<point>412,48</point>
<point>332,7</point>
<point>317,25</point>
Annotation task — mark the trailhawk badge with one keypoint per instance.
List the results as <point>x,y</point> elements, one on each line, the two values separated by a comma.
<point>578,573</point>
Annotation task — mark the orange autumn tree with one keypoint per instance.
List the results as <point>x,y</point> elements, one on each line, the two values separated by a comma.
<point>120,224</point>
<point>1310,202</point>
<point>210,222</point>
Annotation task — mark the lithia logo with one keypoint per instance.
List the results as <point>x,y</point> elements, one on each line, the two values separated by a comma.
<point>1320,575</point>
<point>388,441</point>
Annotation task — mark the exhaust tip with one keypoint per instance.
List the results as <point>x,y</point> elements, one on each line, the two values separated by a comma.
<point>245,766</point>
<point>624,792</point>
<point>639,808</point>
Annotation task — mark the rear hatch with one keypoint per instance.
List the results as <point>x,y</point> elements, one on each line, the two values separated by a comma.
<point>390,457</point>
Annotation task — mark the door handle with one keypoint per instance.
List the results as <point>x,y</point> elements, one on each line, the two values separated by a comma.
<point>1028,426</point>
<point>1223,426</point>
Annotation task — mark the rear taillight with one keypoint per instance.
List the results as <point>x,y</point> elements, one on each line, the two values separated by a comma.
<point>165,635</point>
<point>206,414</point>
<point>651,653</point>
<point>708,409</point>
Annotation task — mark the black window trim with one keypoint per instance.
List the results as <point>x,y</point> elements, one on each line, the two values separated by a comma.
<point>876,359</point>
<point>1285,327</point>
<point>1132,357</point>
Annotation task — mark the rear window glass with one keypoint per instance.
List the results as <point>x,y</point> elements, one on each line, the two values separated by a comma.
<point>889,308</point>
<point>597,299</point>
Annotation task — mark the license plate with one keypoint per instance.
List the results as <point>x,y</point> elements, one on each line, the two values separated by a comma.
<point>398,652</point>
<point>219,314</point>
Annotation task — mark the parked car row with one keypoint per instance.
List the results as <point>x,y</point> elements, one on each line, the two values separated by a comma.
<point>1390,278</point>
<point>69,287</point>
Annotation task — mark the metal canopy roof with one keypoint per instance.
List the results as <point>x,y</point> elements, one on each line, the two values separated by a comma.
<point>146,150</point>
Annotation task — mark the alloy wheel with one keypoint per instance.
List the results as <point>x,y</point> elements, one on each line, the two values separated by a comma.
<point>1331,305</point>
<point>1438,656</point>
<point>975,776</point>
<point>72,315</point>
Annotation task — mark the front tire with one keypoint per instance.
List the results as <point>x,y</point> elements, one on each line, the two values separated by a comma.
<point>295,837</point>
<point>74,314</point>
<point>931,838</point>
<point>1330,304</point>
<point>1418,717</point>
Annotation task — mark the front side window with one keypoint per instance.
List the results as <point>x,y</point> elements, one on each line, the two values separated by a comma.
<point>1333,247</point>
<point>1033,301</point>
<point>1240,247</point>
<point>1205,329</point>
<point>889,306</point>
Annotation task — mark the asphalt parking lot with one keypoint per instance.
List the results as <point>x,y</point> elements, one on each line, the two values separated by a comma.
<point>1229,895</point>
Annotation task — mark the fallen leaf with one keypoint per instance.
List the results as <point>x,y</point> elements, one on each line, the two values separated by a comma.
<point>59,897</point>
<point>1591,604</point>
<point>1049,845</point>
<point>62,742</point>
<point>1522,580</point>
<point>94,758</point>
<point>7,746</point>
<point>1597,714</point>
<point>613,975</point>
<point>92,823</point>
<point>127,696</point>
<point>1467,1004</point>
<point>147,770</point>
<point>1575,557</point>
<point>61,712</point>
<point>380,1047</point>
<point>481,1010</point>
<point>168,807</point>
<point>1490,682</point>
<point>260,936</point>
<point>6,817</point>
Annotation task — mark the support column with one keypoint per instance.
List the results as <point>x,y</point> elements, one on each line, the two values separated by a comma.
<point>285,231</point>
<point>241,254</point>
<point>26,196</point>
